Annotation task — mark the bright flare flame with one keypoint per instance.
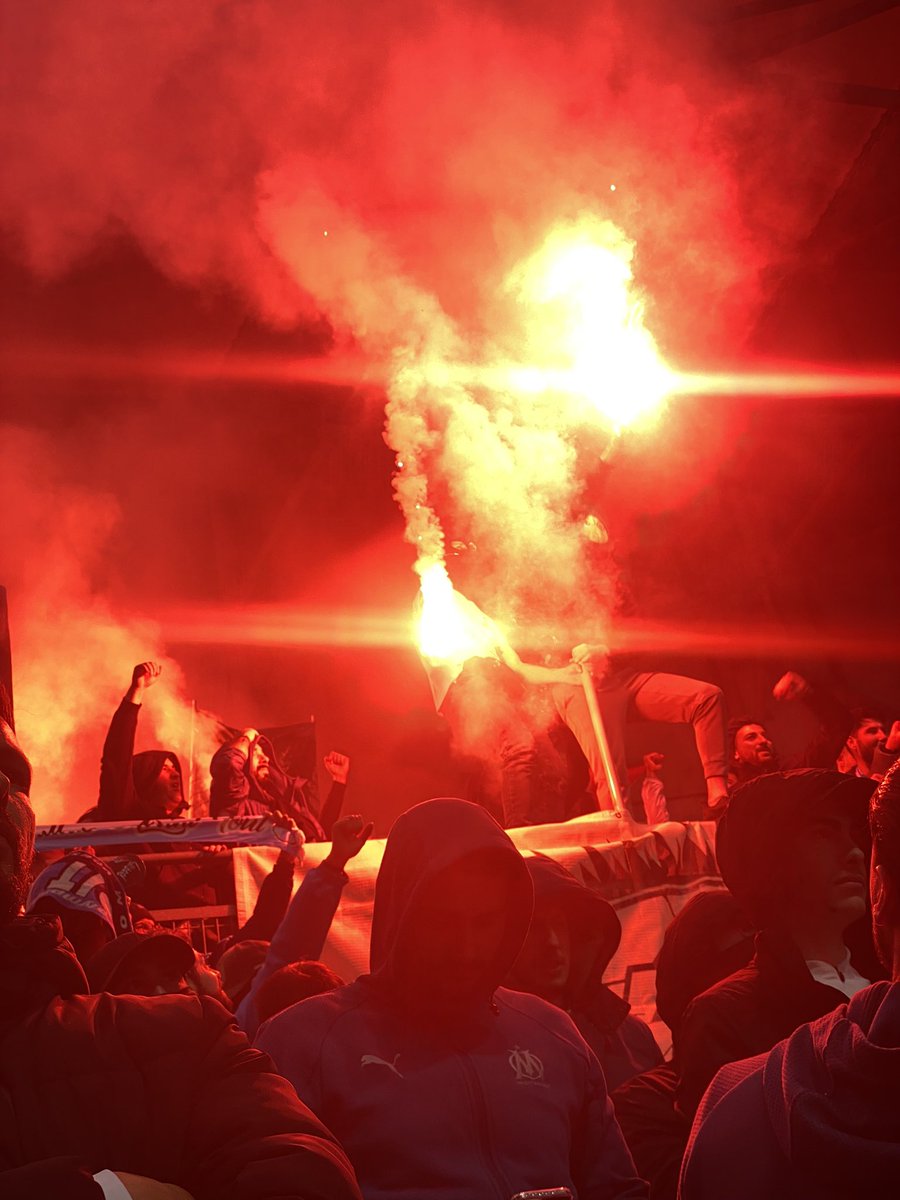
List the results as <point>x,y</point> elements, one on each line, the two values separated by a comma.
<point>450,628</point>
<point>585,335</point>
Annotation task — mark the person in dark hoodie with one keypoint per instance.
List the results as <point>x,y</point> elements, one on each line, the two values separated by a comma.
<point>112,1097</point>
<point>136,787</point>
<point>248,781</point>
<point>706,941</point>
<point>818,1117</point>
<point>438,1081</point>
<point>792,850</point>
<point>572,937</point>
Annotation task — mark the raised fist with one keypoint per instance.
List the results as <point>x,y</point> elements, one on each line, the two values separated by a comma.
<point>145,675</point>
<point>790,686</point>
<point>338,766</point>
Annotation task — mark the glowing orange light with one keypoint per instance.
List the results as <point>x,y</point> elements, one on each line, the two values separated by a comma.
<point>585,332</point>
<point>451,628</point>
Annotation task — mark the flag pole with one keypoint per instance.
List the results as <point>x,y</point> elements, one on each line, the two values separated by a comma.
<point>609,770</point>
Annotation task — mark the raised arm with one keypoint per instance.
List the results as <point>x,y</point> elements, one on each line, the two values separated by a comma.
<point>117,799</point>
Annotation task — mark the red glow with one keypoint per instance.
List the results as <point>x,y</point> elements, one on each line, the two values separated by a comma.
<point>809,380</point>
<point>286,625</point>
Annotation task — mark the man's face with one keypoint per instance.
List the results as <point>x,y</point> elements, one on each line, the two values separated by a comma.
<point>545,961</point>
<point>828,870</point>
<point>866,738</point>
<point>259,762</point>
<point>16,848</point>
<point>460,926</point>
<point>753,746</point>
<point>167,792</point>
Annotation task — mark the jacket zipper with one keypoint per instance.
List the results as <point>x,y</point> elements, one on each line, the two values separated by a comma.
<point>480,1113</point>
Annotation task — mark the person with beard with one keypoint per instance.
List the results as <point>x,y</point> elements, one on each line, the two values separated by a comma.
<point>136,787</point>
<point>818,1117</point>
<point>573,935</point>
<point>117,1097</point>
<point>791,849</point>
<point>249,781</point>
<point>438,1081</point>
<point>870,750</point>
<point>752,752</point>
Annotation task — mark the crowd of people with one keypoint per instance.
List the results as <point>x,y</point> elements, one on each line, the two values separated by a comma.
<point>482,1054</point>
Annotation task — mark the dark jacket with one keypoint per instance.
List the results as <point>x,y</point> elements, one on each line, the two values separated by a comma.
<point>125,777</point>
<point>500,1096</point>
<point>747,1014</point>
<point>235,792</point>
<point>706,941</point>
<point>655,1131</point>
<point>818,1118</point>
<point>166,1088</point>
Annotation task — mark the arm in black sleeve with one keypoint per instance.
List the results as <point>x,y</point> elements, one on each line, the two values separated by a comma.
<point>117,798</point>
<point>331,809</point>
<point>271,902</point>
<point>833,728</point>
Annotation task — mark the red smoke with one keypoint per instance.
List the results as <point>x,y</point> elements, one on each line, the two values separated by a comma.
<point>383,165</point>
<point>437,143</point>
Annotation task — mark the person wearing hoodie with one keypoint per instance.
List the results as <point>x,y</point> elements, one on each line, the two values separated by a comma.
<point>249,781</point>
<point>136,787</point>
<point>438,1081</point>
<point>818,1117</point>
<point>573,935</point>
<point>706,941</point>
<point>792,850</point>
<point>126,1098</point>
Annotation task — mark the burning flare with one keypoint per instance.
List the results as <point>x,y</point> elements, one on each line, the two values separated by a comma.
<point>450,628</point>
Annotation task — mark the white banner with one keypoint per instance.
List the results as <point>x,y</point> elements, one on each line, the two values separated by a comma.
<point>646,873</point>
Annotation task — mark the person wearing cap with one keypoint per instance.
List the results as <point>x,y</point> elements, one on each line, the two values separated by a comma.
<point>792,850</point>
<point>87,896</point>
<point>126,1097</point>
<point>818,1117</point>
<point>573,935</point>
<point>154,963</point>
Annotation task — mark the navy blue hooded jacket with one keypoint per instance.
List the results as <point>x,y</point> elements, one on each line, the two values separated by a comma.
<point>816,1117</point>
<point>499,1096</point>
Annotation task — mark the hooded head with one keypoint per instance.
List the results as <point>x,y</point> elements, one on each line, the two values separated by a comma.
<point>453,902</point>
<point>833,1100</point>
<point>87,896</point>
<point>572,937</point>
<point>158,783</point>
<point>796,839</point>
<point>709,939</point>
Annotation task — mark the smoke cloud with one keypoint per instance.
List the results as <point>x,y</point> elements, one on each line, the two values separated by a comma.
<point>70,648</point>
<point>386,165</point>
